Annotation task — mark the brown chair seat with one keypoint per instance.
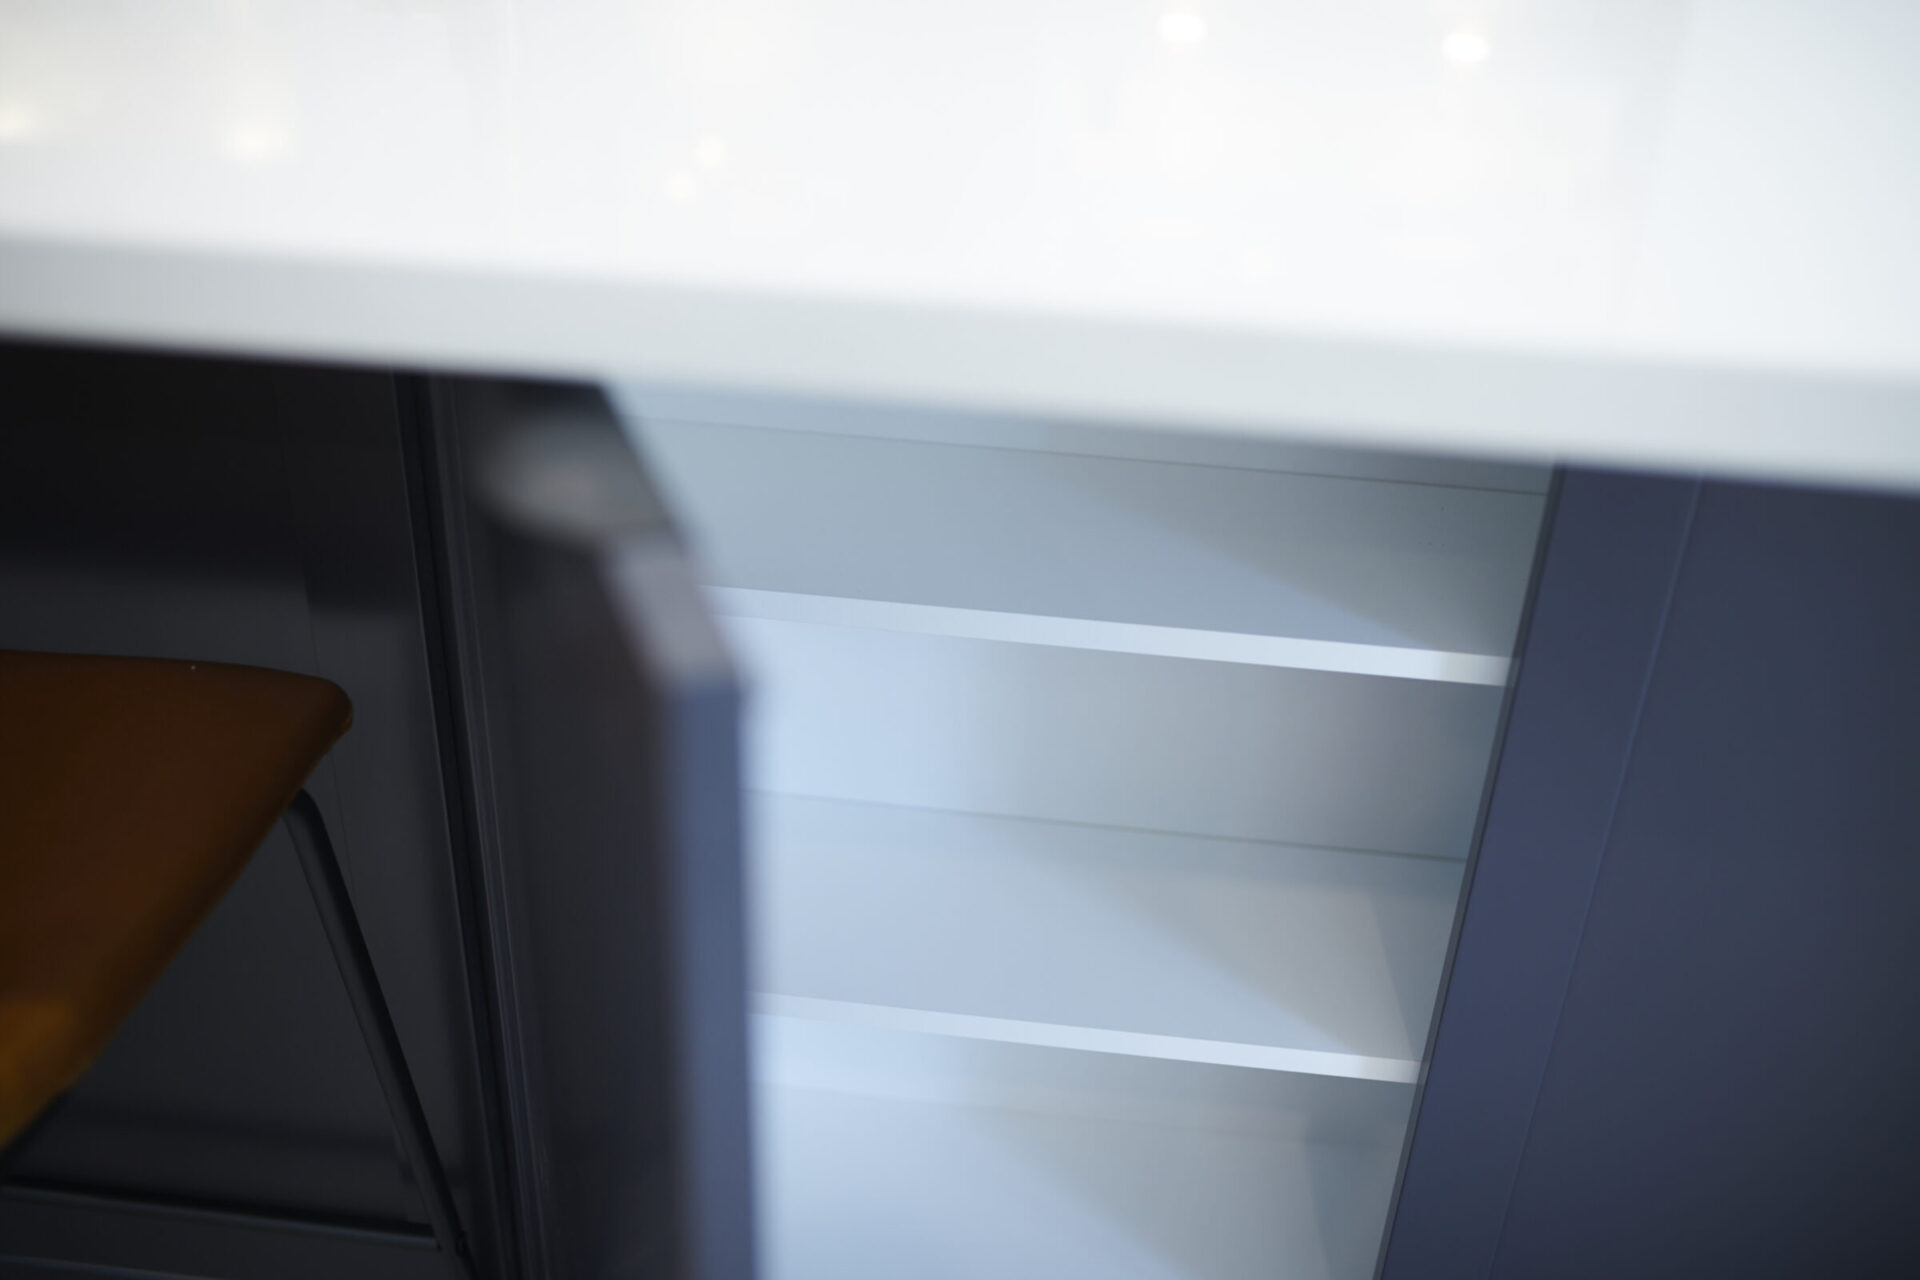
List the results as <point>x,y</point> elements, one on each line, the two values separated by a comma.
<point>132,793</point>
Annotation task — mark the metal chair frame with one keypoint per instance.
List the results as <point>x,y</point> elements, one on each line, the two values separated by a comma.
<point>335,904</point>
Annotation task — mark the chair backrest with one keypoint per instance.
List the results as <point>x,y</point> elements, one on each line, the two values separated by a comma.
<point>133,791</point>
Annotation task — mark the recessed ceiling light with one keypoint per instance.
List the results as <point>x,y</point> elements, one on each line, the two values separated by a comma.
<point>1465,46</point>
<point>1182,27</point>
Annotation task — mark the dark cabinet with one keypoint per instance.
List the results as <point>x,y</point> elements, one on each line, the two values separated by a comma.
<point>536,810</point>
<point>1683,985</point>
<point>1158,841</point>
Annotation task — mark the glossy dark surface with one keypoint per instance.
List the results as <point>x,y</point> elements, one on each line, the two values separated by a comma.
<point>259,514</point>
<point>1682,996</point>
<point>537,815</point>
<point>602,732</point>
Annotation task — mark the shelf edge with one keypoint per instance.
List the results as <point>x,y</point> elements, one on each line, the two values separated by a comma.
<point>1139,1044</point>
<point>1336,656</point>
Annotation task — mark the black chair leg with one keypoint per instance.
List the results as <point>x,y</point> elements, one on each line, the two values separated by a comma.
<point>376,1023</point>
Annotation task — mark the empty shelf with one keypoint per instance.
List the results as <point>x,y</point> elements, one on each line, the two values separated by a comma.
<point>1262,753</point>
<point>1051,1035</point>
<point>1159,544</point>
<point>883,1160</point>
<point>653,402</point>
<point>1116,941</point>
<point>1114,637</point>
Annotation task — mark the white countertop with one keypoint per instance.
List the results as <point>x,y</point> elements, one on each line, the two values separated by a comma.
<point>1678,234</point>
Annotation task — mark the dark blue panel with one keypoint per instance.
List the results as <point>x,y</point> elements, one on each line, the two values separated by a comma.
<point>1732,1089</point>
<point>1601,593</point>
<point>250,512</point>
<point>602,736</point>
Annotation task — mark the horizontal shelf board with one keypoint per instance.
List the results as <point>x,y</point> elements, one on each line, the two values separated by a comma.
<point>887,1062</point>
<point>1118,540</point>
<point>1113,637</point>
<point>662,403</point>
<point>1093,938</point>
<point>855,1185</point>
<point>1120,739</point>
<point>1092,1039</point>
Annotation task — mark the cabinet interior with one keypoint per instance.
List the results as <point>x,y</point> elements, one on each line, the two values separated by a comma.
<point>1109,796</point>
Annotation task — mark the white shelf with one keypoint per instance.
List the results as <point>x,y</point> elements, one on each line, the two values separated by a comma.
<point>1110,794</point>
<point>888,1062</point>
<point>1113,941</point>
<point>1214,748</point>
<point>1174,557</point>
<point>882,1155</point>
<point>1113,637</point>
<point>1052,1035</point>
<point>642,402</point>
